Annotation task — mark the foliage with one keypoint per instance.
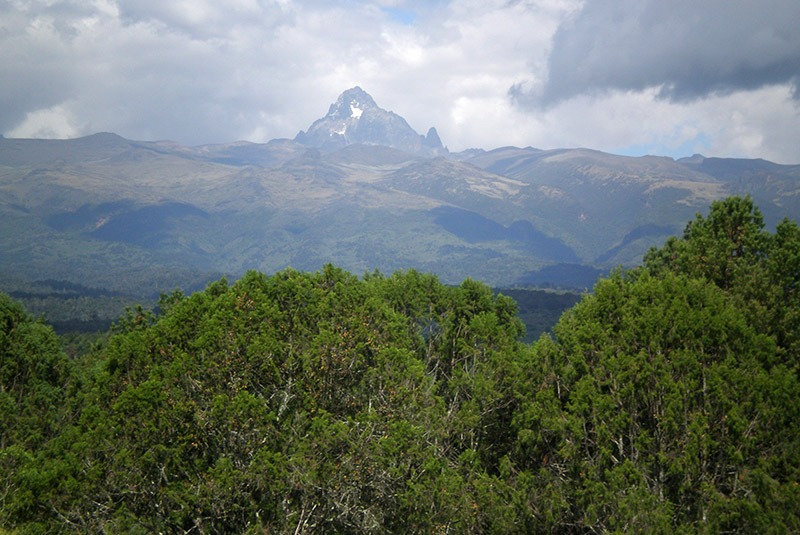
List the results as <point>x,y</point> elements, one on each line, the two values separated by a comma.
<point>666,400</point>
<point>297,401</point>
<point>659,406</point>
<point>33,373</point>
<point>760,271</point>
<point>34,384</point>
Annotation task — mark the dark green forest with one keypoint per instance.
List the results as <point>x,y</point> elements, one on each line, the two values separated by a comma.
<point>667,400</point>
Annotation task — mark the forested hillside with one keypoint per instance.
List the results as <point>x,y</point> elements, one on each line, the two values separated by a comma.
<point>133,218</point>
<point>666,400</point>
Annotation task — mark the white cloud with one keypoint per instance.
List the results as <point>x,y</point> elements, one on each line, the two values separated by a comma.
<point>56,122</point>
<point>205,71</point>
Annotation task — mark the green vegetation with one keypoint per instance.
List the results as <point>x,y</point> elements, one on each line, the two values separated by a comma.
<point>666,400</point>
<point>540,309</point>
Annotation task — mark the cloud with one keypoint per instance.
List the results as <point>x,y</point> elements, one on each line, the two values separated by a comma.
<point>190,71</point>
<point>55,122</point>
<point>203,71</point>
<point>762,123</point>
<point>619,76</point>
<point>35,71</point>
<point>685,49</point>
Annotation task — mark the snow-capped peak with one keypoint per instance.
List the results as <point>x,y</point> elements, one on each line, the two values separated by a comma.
<point>346,124</point>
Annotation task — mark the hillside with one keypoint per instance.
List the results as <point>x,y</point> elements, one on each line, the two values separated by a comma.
<point>140,217</point>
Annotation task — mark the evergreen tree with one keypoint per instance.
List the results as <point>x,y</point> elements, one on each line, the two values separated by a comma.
<point>34,383</point>
<point>761,271</point>
<point>667,400</point>
<point>659,406</point>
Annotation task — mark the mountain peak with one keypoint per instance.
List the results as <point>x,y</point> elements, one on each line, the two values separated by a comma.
<point>432,140</point>
<point>351,104</point>
<point>355,118</point>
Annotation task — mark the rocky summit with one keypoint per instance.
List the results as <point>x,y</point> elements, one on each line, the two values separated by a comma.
<point>355,118</point>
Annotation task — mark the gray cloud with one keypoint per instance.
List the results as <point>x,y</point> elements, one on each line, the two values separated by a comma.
<point>207,20</point>
<point>34,72</point>
<point>206,71</point>
<point>616,75</point>
<point>684,48</point>
<point>195,72</point>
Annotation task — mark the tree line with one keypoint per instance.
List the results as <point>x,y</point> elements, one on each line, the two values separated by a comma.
<point>665,401</point>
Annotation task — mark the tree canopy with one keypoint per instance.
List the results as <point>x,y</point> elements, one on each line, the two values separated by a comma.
<point>667,400</point>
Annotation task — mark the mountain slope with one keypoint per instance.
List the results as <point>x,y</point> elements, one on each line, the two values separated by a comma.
<point>110,212</point>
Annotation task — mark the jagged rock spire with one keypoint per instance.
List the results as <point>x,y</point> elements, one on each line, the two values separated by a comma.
<point>356,118</point>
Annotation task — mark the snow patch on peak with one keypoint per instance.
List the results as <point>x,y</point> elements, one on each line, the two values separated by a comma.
<point>355,112</point>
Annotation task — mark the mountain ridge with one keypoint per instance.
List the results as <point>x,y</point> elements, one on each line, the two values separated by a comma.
<point>364,202</point>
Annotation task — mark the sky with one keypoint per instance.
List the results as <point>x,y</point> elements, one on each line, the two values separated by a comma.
<point>670,78</point>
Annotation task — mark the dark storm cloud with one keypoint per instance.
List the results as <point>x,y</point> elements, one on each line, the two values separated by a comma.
<point>686,49</point>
